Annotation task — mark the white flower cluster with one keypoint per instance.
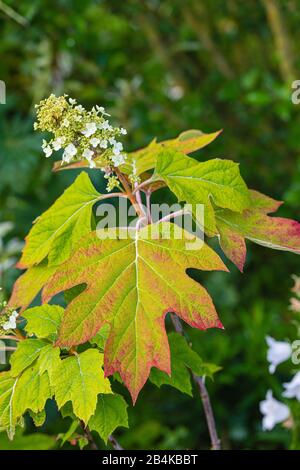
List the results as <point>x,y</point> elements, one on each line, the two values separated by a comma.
<point>11,323</point>
<point>8,317</point>
<point>82,134</point>
<point>274,411</point>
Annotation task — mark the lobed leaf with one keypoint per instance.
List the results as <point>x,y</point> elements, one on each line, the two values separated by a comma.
<point>142,279</point>
<point>215,182</point>
<point>44,321</point>
<point>27,287</point>
<point>183,359</point>
<point>111,413</point>
<point>56,231</point>
<point>80,379</point>
<point>29,391</point>
<point>255,225</point>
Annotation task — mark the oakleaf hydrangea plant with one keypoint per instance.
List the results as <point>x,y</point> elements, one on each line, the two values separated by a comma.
<point>120,281</point>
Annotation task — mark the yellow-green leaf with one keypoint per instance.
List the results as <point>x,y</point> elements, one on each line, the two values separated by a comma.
<point>55,232</point>
<point>80,379</point>
<point>215,182</point>
<point>43,321</point>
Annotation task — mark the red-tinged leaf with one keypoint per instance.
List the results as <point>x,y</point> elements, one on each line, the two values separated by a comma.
<point>29,285</point>
<point>255,225</point>
<point>131,285</point>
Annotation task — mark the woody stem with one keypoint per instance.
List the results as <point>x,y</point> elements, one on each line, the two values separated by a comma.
<point>208,411</point>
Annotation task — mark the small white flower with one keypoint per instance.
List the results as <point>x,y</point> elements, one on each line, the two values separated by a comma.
<point>101,110</point>
<point>78,118</point>
<point>118,159</point>
<point>88,154</point>
<point>112,140</point>
<point>274,412</point>
<point>79,108</point>
<point>48,151</point>
<point>292,389</point>
<point>58,143</point>
<point>103,144</point>
<point>90,129</point>
<point>117,148</point>
<point>123,131</point>
<point>66,123</point>
<point>95,142</point>
<point>278,352</point>
<point>105,126</point>
<point>72,101</point>
<point>69,153</point>
<point>11,324</point>
<point>44,144</point>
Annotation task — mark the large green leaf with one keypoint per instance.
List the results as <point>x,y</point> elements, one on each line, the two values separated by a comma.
<point>255,225</point>
<point>109,415</point>
<point>183,358</point>
<point>215,182</point>
<point>80,379</point>
<point>131,284</point>
<point>57,230</point>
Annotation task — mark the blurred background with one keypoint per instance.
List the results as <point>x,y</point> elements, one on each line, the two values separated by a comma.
<point>162,67</point>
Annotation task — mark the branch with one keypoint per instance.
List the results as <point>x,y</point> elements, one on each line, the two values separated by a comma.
<point>13,14</point>
<point>122,178</point>
<point>114,443</point>
<point>148,205</point>
<point>143,184</point>
<point>88,435</point>
<point>281,39</point>
<point>109,195</point>
<point>172,216</point>
<point>12,338</point>
<point>208,411</point>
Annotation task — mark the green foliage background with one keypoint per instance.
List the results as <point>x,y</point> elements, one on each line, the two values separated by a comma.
<point>161,68</point>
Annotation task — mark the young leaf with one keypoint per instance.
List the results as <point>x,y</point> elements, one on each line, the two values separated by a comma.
<point>26,353</point>
<point>38,418</point>
<point>44,321</point>
<point>29,285</point>
<point>80,379</point>
<point>183,358</point>
<point>109,415</point>
<point>57,230</point>
<point>217,181</point>
<point>64,437</point>
<point>254,223</point>
<point>142,279</point>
